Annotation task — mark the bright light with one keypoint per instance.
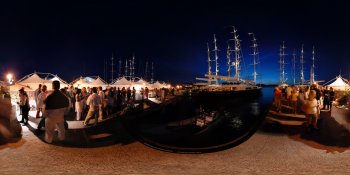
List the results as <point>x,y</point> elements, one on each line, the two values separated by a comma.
<point>9,77</point>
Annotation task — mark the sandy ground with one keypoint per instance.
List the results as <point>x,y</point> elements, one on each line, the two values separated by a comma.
<point>263,153</point>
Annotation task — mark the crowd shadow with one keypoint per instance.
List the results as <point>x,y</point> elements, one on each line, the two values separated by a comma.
<point>90,137</point>
<point>330,135</point>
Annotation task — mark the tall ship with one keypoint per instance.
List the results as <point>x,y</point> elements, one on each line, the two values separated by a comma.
<point>214,84</point>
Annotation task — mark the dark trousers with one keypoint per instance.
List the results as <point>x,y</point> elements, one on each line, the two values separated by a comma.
<point>25,113</point>
<point>41,123</point>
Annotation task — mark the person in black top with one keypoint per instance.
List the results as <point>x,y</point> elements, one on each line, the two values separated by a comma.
<point>331,98</point>
<point>326,98</point>
<point>55,105</point>
<point>24,106</point>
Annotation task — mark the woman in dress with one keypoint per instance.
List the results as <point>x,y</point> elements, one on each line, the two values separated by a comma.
<point>78,104</point>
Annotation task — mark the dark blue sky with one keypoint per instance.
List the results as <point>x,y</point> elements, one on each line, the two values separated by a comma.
<point>74,38</point>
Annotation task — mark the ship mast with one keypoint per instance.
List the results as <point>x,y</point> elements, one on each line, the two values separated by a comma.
<point>209,67</point>
<point>302,64</point>
<point>132,68</point>
<point>237,53</point>
<point>112,69</point>
<point>216,57</point>
<point>120,68</point>
<point>126,68</point>
<point>146,72</point>
<point>282,63</point>
<point>312,72</point>
<point>255,55</point>
<point>294,56</point>
<point>152,74</point>
<point>228,55</point>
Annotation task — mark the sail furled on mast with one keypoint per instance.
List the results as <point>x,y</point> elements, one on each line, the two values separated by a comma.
<point>237,50</point>
<point>302,77</point>
<point>312,71</point>
<point>216,57</point>
<point>209,60</point>
<point>255,56</point>
<point>282,62</point>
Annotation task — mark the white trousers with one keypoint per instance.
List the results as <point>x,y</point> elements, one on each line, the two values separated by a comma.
<point>54,119</point>
<point>78,115</point>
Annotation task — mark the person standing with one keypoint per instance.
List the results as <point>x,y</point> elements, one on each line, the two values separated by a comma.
<point>289,93</point>
<point>41,105</point>
<point>102,105</point>
<point>123,93</point>
<point>55,106</point>
<point>146,92</point>
<point>94,102</point>
<point>128,95</point>
<point>331,98</point>
<point>133,94</point>
<point>24,106</point>
<point>311,110</point>
<point>78,104</point>
<point>277,98</point>
<point>294,99</point>
<point>40,101</point>
<point>326,98</point>
<point>142,92</point>
<point>36,93</point>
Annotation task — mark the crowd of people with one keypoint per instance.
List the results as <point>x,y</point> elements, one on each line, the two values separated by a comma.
<point>85,104</point>
<point>308,100</point>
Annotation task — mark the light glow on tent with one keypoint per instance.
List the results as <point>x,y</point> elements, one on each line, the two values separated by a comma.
<point>9,77</point>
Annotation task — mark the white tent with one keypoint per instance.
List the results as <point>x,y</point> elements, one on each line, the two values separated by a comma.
<point>32,82</point>
<point>62,82</point>
<point>122,82</point>
<point>83,82</point>
<point>141,83</point>
<point>340,84</point>
<point>98,82</point>
<point>157,85</point>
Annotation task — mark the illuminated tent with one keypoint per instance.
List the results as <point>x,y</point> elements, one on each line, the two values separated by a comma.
<point>141,83</point>
<point>122,82</point>
<point>62,82</point>
<point>98,82</point>
<point>33,80</point>
<point>340,83</point>
<point>157,85</point>
<point>83,82</point>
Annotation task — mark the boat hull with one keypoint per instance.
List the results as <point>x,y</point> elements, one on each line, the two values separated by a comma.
<point>251,92</point>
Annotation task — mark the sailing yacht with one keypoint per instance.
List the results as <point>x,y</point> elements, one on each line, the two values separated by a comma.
<point>215,84</point>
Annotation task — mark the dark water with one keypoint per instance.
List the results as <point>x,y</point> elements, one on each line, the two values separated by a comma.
<point>200,124</point>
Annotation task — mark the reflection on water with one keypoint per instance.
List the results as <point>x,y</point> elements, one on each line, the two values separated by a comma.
<point>194,123</point>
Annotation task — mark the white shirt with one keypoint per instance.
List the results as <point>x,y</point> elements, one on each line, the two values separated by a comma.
<point>101,94</point>
<point>40,99</point>
<point>94,101</point>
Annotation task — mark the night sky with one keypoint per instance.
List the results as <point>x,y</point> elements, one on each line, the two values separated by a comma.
<point>75,38</point>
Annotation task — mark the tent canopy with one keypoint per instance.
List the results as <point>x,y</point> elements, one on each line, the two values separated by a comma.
<point>122,82</point>
<point>33,80</point>
<point>340,84</point>
<point>98,82</point>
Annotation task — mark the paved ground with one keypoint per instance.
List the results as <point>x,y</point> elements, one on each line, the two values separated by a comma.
<point>263,153</point>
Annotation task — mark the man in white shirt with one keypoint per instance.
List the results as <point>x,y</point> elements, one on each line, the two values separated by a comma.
<point>36,94</point>
<point>40,101</point>
<point>94,102</point>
